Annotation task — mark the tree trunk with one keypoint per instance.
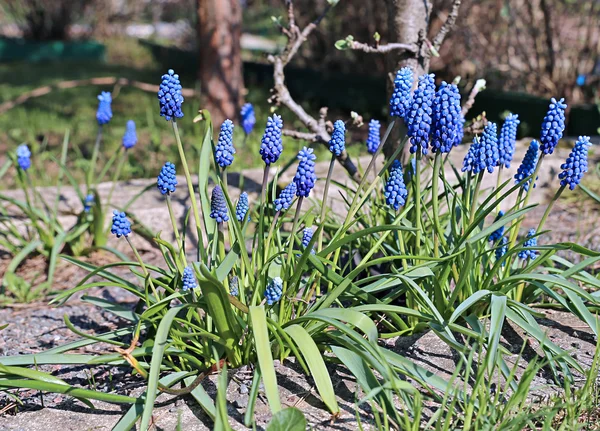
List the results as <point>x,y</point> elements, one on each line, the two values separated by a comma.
<point>219,31</point>
<point>406,20</point>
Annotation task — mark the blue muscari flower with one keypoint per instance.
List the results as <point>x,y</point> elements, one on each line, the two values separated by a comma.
<point>305,175</point>
<point>270,145</point>
<point>218,205</point>
<point>502,249</point>
<point>447,119</point>
<point>489,148</point>
<point>460,131</point>
<point>497,234</point>
<point>395,190</point>
<point>374,138</point>
<point>508,140</point>
<point>418,117</point>
<point>234,285</point>
<point>169,96</point>
<point>88,202</point>
<point>224,149</point>
<point>553,126</point>
<point>402,97</point>
<point>248,118</point>
<point>307,235</point>
<point>104,113</point>
<point>337,143</point>
<point>576,165</point>
<point>23,157</point>
<point>473,161</point>
<point>189,279</point>
<point>242,207</point>
<point>120,225</point>
<point>286,197</point>
<point>581,80</point>
<point>274,290</point>
<point>531,241</point>
<point>528,165</point>
<point>166,180</point>
<point>130,137</point>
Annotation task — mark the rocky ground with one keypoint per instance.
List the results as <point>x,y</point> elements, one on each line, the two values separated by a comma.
<point>37,327</point>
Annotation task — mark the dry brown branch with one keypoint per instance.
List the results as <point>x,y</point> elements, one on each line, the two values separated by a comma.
<point>447,26</point>
<point>383,49</point>
<point>110,80</point>
<point>479,85</point>
<point>310,137</point>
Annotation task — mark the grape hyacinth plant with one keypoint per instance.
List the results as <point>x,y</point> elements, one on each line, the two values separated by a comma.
<point>121,226</point>
<point>248,118</point>
<point>167,180</point>
<point>169,96</point>
<point>307,235</point>
<point>274,291</point>
<point>553,126</point>
<point>218,206</point>
<point>23,157</point>
<point>337,143</point>
<point>446,118</point>
<point>401,97</point>
<point>285,198</point>
<point>498,233</point>
<point>130,136</point>
<point>104,111</point>
<point>188,279</point>
<point>508,140</point>
<point>241,209</point>
<point>224,149</point>
<point>395,190</point>
<point>576,165</point>
<point>418,118</point>
<point>374,137</point>
<point>531,241</point>
<point>528,166</point>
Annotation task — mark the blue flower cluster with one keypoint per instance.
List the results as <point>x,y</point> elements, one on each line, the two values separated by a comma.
<point>553,126</point>
<point>402,97</point>
<point>305,175</point>
<point>242,207</point>
<point>307,235</point>
<point>248,118</point>
<point>508,140</point>
<point>374,138</point>
<point>576,165</point>
<point>23,157</point>
<point>166,180</point>
<point>270,145</point>
<point>218,205</point>
<point>189,279</point>
<point>169,96</point>
<point>497,234</point>
<point>502,249</point>
<point>88,202</point>
<point>418,118</point>
<point>224,150</point>
<point>531,241</point>
<point>337,143</point>
<point>274,290</point>
<point>120,225</point>
<point>528,165</point>
<point>130,136</point>
<point>395,191</point>
<point>473,159</point>
<point>489,147</point>
<point>234,286</point>
<point>447,119</point>
<point>286,197</point>
<point>104,112</point>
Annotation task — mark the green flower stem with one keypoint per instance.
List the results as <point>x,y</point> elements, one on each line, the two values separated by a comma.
<point>144,269</point>
<point>190,185</point>
<point>176,230</point>
<point>92,168</point>
<point>117,174</point>
<point>418,220</point>
<point>263,193</point>
<point>324,202</point>
<point>272,228</point>
<point>439,234</point>
<point>549,208</point>
<point>288,265</point>
<point>476,196</point>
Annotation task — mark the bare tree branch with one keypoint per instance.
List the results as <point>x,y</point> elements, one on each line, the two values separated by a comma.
<point>310,137</point>
<point>479,85</point>
<point>447,26</point>
<point>383,49</point>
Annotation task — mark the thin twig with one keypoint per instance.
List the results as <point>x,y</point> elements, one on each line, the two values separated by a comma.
<point>447,26</point>
<point>383,49</point>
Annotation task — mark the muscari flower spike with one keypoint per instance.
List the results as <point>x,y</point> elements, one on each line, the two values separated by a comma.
<point>489,148</point>
<point>224,150</point>
<point>502,249</point>
<point>374,138</point>
<point>88,202</point>
<point>497,234</point>
<point>167,180</point>
<point>242,207</point>
<point>274,290</point>
<point>460,131</point>
<point>553,126</point>
<point>169,96</point>
<point>23,157</point>
<point>286,197</point>
<point>130,136</point>
<point>337,143</point>
<point>234,284</point>
<point>120,225</point>
<point>418,118</point>
<point>305,175</point>
<point>270,145</point>
<point>508,140</point>
<point>307,235</point>
<point>104,112</point>
<point>447,119</point>
<point>248,118</point>
<point>402,97</point>
<point>189,279</point>
<point>576,164</point>
<point>395,190</point>
<point>528,165</point>
<point>473,161</point>
<point>218,206</point>
<point>531,241</point>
